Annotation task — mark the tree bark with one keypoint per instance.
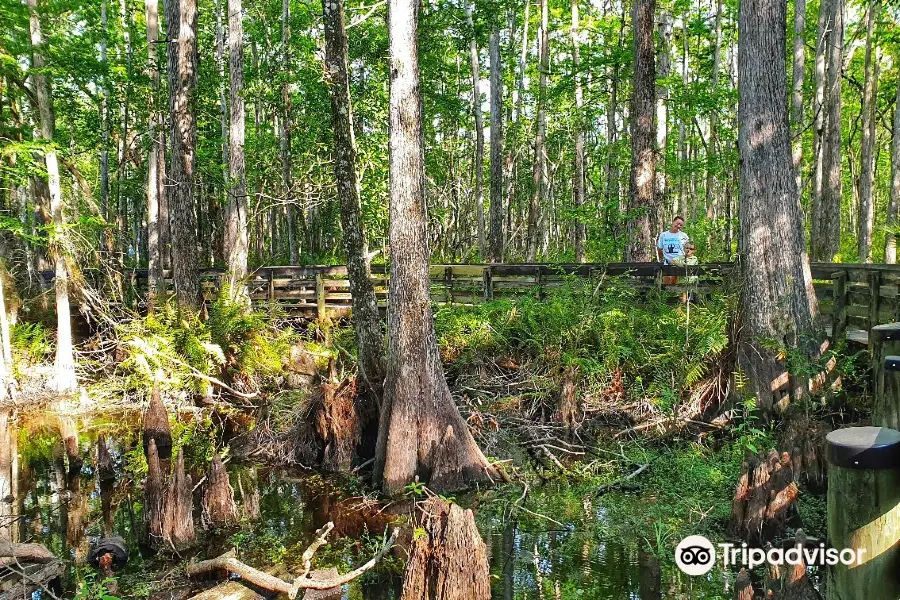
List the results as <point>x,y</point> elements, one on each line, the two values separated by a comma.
<point>578,172</point>
<point>663,68</point>
<point>63,380</point>
<point>495,245</point>
<point>712,149</point>
<point>642,201</point>
<point>513,136</point>
<point>479,134</point>
<point>448,562</point>
<point>181,19</point>
<point>890,251</point>
<point>867,153</point>
<point>156,284</point>
<point>818,119</point>
<point>797,89</point>
<point>778,302</point>
<point>539,173</point>
<point>285,138</point>
<point>827,230</point>
<point>104,115</point>
<point>236,243</point>
<point>366,320</point>
<point>421,432</point>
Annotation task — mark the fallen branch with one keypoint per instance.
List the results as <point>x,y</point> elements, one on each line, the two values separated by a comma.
<point>24,552</point>
<point>230,563</point>
<point>618,483</point>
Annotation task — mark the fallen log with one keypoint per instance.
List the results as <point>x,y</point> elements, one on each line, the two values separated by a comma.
<point>11,552</point>
<point>304,581</point>
<point>32,581</point>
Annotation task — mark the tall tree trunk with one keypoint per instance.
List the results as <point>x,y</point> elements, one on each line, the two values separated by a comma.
<point>890,240</point>
<point>104,114</point>
<point>578,171</point>
<point>181,19</point>
<point>366,320</point>
<point>495,253</point>
<point>64,369</point>
<point>479,134</point>
<point>797,89</point>
<point>539,174</point>
<point>156,284</point>
<point>827,230</point>
<point>682,126</point>
<point>127,242</point>
<point>867,154</point>
<point>712,150</point>
<point>421,432</point>
<point>236,243</point>
<point>818,121</point>
<point>663,69</point>
<point>223,101</point>
<point>778,302</point>
<point>286,174</point>
<point>513,135</point>
<point>642,201</point>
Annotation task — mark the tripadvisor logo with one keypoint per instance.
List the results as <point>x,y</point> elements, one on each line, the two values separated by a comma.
<point>696,555</point>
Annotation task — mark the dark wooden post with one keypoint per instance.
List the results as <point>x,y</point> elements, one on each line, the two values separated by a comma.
<point>271,286</point>
<point>839,306</point>
<point>864,512</point>
<point>488,284</point>
<point>874,297</point>
<point>448,283</point>
<point>540,282</point>
<point>884,342</point>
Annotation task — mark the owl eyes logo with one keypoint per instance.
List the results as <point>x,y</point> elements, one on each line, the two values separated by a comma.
<point>695,555</point>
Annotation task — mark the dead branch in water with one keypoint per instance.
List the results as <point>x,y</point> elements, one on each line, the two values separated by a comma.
<point>230,563</point>
<point>619,482</point>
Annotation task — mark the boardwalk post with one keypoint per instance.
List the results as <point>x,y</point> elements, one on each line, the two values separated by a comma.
<point>488,284</point>
<point>874,298</point>
<point>448,283</point>
<point>540,282</point>
<point>271,286</point>
<point>884,340</point>
<point>320,298</point>
<point>864,512</point>
<point>839,309</point>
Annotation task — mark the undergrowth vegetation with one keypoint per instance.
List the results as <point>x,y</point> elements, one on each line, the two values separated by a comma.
<point>180,352</point>
<point>656,349</point>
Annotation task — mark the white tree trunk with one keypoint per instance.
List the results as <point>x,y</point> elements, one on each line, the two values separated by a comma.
<point>867,153</point>
<point>64,380</point>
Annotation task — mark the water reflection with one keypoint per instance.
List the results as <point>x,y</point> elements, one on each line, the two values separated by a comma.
<point>64,483</point>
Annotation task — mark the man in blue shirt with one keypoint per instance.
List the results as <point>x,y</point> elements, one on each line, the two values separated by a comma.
<point>670,244</point>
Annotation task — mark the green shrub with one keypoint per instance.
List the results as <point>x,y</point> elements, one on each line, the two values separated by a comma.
<point>658,349</point>
<point>177,351</point>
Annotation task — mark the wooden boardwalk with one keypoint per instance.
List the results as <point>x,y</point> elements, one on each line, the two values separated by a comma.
<point>852,297</point>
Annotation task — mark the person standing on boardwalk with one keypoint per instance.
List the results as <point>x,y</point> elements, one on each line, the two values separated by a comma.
<point>670,244</point>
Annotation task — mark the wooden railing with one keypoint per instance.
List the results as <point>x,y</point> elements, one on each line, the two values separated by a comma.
<point>851,296</point>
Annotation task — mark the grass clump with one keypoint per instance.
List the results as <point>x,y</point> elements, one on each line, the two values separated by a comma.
<point>179,352</point>
<point>657,349</point>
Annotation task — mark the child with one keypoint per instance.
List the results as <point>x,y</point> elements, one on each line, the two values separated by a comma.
<point>689,259</point>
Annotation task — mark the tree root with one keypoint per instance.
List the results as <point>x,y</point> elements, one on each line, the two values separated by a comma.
<point>230,563</point>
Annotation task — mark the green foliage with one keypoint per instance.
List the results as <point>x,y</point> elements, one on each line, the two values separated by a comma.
<point>31,343</point>
<point>94,588</point>
<point>659,350</point>
<point>173,350</point>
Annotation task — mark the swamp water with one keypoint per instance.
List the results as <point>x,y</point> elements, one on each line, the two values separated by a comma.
<point>562,552</point>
